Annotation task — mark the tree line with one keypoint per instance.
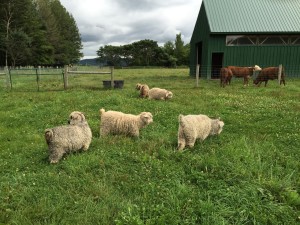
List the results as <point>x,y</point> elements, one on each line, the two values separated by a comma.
<point>43,32</point>
<point>37,32</point>
<point>146,53</point>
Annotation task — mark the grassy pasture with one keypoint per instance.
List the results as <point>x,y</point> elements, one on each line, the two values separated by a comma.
<point>247,175</point>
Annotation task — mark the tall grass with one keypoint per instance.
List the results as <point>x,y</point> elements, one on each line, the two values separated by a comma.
<point>249,174</point>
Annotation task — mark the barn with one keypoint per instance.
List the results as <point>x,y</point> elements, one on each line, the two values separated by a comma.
<point>246,33</point>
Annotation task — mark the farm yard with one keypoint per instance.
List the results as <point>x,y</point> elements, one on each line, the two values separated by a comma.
<point>249,174</point>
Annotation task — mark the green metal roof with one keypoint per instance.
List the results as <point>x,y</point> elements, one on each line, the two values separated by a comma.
<point>253,16</point>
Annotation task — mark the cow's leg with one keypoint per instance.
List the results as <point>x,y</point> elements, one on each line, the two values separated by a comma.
<point>266,81</point>
<point>245,81</point>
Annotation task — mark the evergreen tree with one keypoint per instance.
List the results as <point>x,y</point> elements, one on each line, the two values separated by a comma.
<point>179,51</point>
<point>45,25</point>
<point>170,60</point>
<point>169,48</point>
<point>69,46</point>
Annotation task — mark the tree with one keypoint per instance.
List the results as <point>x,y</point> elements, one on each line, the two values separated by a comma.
<point>68,50</point>
<point>127,54</point>
<point>52,31</point>
<point>18,47</point>
<point>169,60</point>
<point>179,51</point>
<point>144,52</point>
<point>186,58</point>
<point>110,53</point>
<point>7,19</point>
<point>169,47</point>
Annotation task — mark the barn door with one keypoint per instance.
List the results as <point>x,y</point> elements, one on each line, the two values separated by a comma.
<point>199,53</point>
<point>216,64</point>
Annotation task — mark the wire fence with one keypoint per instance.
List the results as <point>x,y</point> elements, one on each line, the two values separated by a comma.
<point>213,71</point>
<point>52,79</point>
<point>49,78</point>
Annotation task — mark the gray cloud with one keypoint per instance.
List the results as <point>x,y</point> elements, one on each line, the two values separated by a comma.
<point>119,22</point>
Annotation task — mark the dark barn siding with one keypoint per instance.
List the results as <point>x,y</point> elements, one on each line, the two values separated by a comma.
<point>200,34</point>
<point>264,56</point>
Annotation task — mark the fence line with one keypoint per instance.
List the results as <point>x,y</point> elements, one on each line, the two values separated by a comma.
<point>6,74</point>
<point>70,70</point>
<point>37,72</point>
<point>213,71</point>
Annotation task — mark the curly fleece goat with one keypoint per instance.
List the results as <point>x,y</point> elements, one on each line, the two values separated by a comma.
<point>114,122</point>
<point>68,138</point>
<point>192,127</point>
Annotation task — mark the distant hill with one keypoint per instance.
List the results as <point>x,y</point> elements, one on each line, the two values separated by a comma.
<point>90,62</point>
<point>94,62</point>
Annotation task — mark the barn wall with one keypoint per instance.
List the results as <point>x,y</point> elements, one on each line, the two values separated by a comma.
<point>200,34</point>
<point>264,56</point>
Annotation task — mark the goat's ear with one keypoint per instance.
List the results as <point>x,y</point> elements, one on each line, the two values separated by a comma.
<point>144,115</point>
<point>147,116</point>
<point>82,116</point>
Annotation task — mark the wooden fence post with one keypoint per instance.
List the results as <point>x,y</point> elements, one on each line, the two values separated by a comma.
<point>10,79</point>
<point>38,73</point>
<point>66,77</point>
<point>197,75</point>
<point>112,75</point>
<point>279,73</point>
<point>7,77</point>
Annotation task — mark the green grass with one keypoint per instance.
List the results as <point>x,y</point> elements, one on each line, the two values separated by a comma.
<point>247,175</point>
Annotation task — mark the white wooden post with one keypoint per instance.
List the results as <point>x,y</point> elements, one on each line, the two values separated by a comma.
<point>197,75</point>
<point>279,73</point>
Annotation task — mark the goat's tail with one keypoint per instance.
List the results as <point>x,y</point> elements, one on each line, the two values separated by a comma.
<point>48,135</point>
<point>180,119</point>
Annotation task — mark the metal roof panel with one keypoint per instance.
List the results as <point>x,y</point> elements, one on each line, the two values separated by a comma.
<point>253,16</point>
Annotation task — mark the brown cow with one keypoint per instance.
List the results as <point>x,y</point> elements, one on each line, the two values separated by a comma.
<point>245,72</point>
<point>269,73</point>
<point>225,76</point>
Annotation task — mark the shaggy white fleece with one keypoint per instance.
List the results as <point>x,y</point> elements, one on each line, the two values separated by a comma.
<point>160,94</point>
<point>68,138</point>
<point>192,127</point>
<point>114,122</point>
<point>144,89</point>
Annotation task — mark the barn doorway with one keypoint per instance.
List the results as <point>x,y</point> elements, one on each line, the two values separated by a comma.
<point>216,64</point>
<point>199,54</point>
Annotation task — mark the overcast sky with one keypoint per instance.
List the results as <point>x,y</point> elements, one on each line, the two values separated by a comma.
<point>119,22</point>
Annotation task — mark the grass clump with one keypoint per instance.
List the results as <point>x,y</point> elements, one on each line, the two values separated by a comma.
<point>247,175</point>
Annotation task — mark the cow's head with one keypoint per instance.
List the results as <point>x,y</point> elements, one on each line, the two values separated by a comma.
<point>256,68</point>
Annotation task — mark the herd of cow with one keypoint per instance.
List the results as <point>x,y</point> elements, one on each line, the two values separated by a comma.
<point>264,75</point>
